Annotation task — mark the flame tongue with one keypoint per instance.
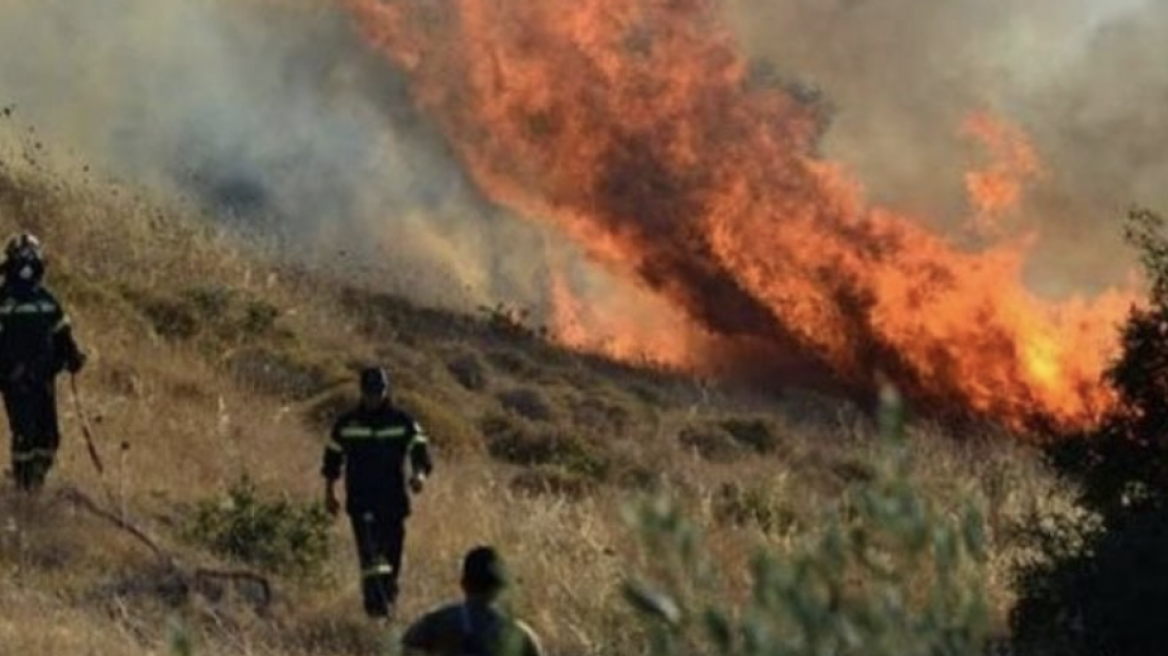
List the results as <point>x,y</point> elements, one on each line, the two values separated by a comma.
<point>997,190</point>
<point>636,128</point>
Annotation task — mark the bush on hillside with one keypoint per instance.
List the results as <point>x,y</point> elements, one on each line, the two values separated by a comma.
<point>731,438</point>
<point>756,433</point>
<point>469,370</point>
<point>278,535</point>
<point>710,441</point>
<point>527,403</point>
<point>513,363</point>
<point>888,575</point>
<point>215,312</point>
<point>753,505</point>
<point>517,442</point>
<point>602,411</point>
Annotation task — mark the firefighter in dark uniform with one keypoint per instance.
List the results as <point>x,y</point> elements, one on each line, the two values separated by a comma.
<point>36,344</point>
<point>374,444</point>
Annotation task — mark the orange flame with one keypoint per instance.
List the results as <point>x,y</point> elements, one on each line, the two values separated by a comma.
<point>623,328</point>
<point>997,190</point>
<point>637,129</point>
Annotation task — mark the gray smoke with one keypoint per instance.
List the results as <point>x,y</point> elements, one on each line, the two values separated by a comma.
<point>274,116</point>
<point>1084,78</point>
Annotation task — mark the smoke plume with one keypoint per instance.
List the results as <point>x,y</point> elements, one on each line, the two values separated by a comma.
<point>1079,77</point>
<point>812,182</point>
<point>275,118</point>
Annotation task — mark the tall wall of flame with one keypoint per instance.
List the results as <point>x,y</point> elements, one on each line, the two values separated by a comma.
<point>639,131</point>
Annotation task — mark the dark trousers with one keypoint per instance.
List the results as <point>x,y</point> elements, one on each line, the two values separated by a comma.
<point>32,418</point>
<point>380,539</point>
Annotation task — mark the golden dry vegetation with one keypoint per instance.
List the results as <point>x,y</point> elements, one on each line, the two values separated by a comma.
<point>212,359</point>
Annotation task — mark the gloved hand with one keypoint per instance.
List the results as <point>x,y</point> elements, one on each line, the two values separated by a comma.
<point>417,483</point>
<point>76,363</point>
<point>331,505</point>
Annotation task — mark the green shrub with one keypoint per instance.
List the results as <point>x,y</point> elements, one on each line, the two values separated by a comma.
<point>647,394</point>
<point>515,441</point>
<point>207,311</point>
<point>637,476</point>
<point>179,638</point>
<point>527,403</point>
<point>278,535</point>
<point>758,434</point>
<point>850,469</point>
<point>888,575</point>
<point>513,363</point>
<point>259,318</point>
<point>602,410</point>
<point>729,439</point>
<point>744,505</point>
<point>171,318</point>
<point>711,441</point>
<point>469,370</point>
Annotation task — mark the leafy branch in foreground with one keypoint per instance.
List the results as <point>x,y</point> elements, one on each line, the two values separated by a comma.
<point>888,574</point>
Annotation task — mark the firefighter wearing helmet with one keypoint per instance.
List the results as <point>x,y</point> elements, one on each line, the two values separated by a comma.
<point>36,344</point>
<point>374,444</point>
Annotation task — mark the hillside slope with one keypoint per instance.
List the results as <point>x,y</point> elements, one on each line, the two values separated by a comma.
<point>213,360</point>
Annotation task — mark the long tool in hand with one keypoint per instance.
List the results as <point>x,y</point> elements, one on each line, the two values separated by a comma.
<point>86,429</point>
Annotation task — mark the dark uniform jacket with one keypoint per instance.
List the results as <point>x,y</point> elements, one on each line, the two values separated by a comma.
<point>372,447</point>
<point>36,341</point>
<point>470,629</point>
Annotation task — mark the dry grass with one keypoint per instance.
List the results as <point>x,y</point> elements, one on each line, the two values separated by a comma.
<point>178,422</point>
